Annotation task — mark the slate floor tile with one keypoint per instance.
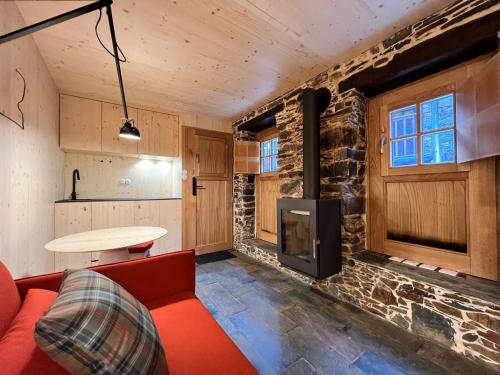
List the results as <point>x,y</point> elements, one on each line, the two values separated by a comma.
<point>286,327</point>
<point>373,364</point>
<point>273,347</point>
<point>300,367</point>
<point>223,300</point>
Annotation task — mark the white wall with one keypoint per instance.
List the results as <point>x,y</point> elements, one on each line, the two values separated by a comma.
<point>31,163</point>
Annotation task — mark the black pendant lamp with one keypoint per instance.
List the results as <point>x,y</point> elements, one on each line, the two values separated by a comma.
<point>129,131</point>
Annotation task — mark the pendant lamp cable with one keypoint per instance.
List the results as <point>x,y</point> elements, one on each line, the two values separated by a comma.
<point>21,125</point>
<point>122,58</point>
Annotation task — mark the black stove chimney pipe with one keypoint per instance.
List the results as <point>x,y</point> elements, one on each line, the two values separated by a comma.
<point>313,103</point>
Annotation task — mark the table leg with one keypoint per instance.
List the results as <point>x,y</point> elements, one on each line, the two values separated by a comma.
<point>113,256</point>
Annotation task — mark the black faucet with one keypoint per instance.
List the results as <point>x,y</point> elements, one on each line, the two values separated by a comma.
<point>76,176</point>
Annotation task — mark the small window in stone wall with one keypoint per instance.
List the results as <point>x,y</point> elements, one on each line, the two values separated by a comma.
<point>423,133</point>
<point>269,156</point>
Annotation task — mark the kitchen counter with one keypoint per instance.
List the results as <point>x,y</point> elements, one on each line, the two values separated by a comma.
<point>113,200</point>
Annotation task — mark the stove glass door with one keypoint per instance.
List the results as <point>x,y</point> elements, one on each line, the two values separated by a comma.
<point>297,237</point>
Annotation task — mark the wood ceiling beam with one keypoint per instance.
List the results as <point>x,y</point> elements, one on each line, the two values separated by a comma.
<point>453,47</point>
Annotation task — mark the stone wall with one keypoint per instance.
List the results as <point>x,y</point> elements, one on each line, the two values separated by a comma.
<point>409,303</point>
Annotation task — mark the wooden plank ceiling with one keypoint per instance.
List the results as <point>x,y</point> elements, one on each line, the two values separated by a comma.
<point>215,57</point>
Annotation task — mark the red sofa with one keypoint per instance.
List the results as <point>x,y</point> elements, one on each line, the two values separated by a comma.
<point>193,341</point>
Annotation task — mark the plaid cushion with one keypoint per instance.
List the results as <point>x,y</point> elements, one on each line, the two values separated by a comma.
<point>97,327</point>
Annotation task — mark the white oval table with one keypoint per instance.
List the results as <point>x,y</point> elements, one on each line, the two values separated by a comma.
<point>111,243</point>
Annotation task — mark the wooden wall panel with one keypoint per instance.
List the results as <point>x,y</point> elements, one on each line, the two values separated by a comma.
<point>100,175</point>
<point>429,213</point>
<point>30,159</point>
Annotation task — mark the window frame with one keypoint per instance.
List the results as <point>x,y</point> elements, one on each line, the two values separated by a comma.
<point>263,136</point>
<point>417,100</point>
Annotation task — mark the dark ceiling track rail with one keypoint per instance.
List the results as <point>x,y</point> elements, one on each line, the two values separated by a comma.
<point>117,58</point>
<point>54,20</point>
<point>68,16</point>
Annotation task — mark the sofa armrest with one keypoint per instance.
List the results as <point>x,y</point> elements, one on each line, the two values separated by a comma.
<point>147,279</point>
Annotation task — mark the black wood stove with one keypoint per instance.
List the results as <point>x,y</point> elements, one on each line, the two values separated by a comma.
<point>309,228</point>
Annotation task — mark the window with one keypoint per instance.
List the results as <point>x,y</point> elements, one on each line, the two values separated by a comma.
<point>269,156</point>
<point>423,133</point>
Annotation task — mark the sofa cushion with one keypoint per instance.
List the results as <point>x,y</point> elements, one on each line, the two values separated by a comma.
<point>193,341</point>
<point>10,299</point>
<point>19,353</point>
<point>97,327</point>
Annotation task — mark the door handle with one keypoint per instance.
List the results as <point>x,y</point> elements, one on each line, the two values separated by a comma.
<point>196,187</point>
<point>315,244</point>
<point>383,141</point>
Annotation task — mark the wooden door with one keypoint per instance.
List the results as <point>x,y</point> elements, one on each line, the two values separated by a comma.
<point>207,210</point>
<point>438,214</point>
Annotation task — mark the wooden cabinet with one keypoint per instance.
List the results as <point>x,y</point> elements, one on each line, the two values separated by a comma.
<point>167,129</point>
<point>171,220</point>
<point>112,214</point>
<point>144,124</point>
<point>79,217</point>
<point>112,121</point>
<point>72,218</point>
<point>159,133</point>
<point>80,121</point>
<point>91,125</point>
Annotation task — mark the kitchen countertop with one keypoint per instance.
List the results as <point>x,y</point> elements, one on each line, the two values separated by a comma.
<point>113,200</point>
